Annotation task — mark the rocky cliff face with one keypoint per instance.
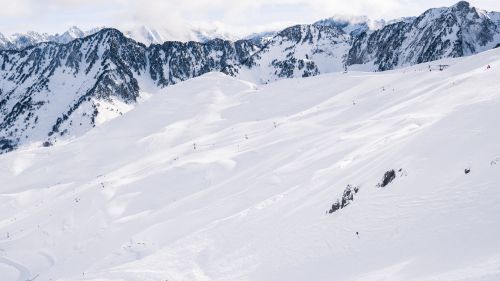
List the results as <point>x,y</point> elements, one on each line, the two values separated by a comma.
<point>173,62</point>
<point>298,51</point>
<point>52,90</point>
<point>438,33</point>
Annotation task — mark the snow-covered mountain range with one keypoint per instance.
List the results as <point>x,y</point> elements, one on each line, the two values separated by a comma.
<point>347,149</point>
<point>456,31</point>
<point>144,34</point>
<point>298,51</point>
<point>345,176</point>
<point>20,41</point>
<point>158,35</point>
<point>51,91</point>
<point>140,33</point>
<point>353,25</point>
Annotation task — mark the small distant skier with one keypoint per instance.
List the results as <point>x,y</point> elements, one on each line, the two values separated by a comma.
<point>357,234</point>
<point>488,67</point>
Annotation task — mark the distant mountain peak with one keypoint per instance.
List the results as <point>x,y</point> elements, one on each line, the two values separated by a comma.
<point>438,33</point>
<point>461,5</point>
<point>18,41</point>
<point>352,25</point>
<point>50,90</point>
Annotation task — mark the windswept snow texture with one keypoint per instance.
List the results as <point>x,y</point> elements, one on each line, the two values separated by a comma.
<point>219,179</point>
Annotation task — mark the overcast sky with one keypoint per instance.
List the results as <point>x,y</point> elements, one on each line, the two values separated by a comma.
<point>57,15</point>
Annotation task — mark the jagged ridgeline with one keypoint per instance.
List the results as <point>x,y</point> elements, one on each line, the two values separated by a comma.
<point>456,31</point>
<point>50,90</point>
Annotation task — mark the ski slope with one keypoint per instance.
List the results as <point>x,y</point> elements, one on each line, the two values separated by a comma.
<point>220,179</point>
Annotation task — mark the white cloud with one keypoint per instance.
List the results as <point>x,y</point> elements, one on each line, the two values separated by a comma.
<point>231,15</point>
<point>14,9</point>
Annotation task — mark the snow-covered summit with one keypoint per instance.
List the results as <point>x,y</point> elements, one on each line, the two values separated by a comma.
<point>455,31</point>
<point>298,51</point>
<point>51,91</point>
<point>352,25</point>
<point>20,41</point>
<point>158,35</point>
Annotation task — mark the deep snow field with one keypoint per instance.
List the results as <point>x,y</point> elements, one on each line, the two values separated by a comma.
<point>218,179</point>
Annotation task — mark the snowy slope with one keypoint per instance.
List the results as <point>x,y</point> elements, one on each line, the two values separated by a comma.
<point>221,179</point>
<point>52,91</point>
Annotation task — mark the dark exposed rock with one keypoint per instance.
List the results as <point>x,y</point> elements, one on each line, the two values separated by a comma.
<point>495,161</point>
<point>347,198</point>
<point>292,52</point>
<point>438,33</point>
<point>6,145</point>
<point>348,195</point>
<point>173,62</point>
<point>50,88</point>
<point>105,66</point>
<point>335,207</point>
<point>47,144</point>
<point>389,176</point>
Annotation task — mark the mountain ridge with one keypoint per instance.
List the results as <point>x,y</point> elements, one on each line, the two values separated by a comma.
<point>52,90</point>
<point>217,178</point>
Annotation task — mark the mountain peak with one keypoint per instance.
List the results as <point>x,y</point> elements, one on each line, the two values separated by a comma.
<point>74,28</point>
<point>461,5</point>
<point>75,31</point>
<point>113,33</point>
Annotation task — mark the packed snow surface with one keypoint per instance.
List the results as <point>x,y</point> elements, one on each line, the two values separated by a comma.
<point>220,179</point>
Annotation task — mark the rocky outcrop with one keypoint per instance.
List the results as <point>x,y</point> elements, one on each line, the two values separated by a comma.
<point>347,198</point>
<point>50,89</point>
<point>455,31</point>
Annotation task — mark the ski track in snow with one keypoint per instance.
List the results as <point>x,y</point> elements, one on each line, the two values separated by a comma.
<point>24,273</point>
<point>220,179</point>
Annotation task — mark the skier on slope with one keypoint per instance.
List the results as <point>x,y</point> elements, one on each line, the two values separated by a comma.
<point>488,67</point>
<point>357,234</point>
